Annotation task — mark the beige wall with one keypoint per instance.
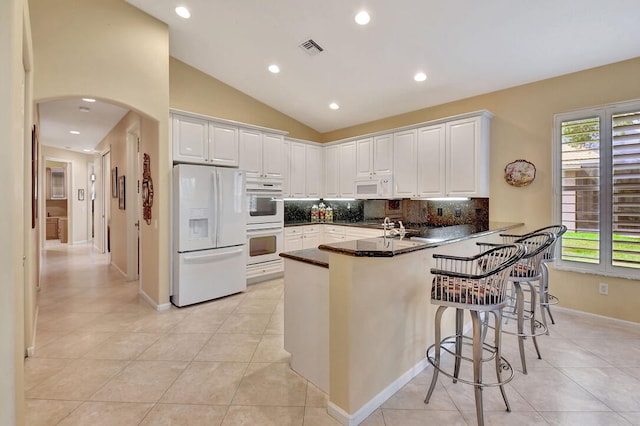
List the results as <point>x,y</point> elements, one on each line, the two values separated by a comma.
<point>112,51</point>
<point>16,149</point>
<point>522,128</point>
<point>194,91</point>
<point>77,178</point>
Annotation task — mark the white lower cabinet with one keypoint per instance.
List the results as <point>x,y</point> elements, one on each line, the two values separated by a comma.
<point>301,237</point>
<point>333,234</point>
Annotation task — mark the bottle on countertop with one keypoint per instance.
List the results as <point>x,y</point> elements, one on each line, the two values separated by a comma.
<point>314,213</point>
<point>322,210</point>
<point>329,214</point>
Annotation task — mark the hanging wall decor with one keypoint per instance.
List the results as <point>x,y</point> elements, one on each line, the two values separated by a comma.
<point>520,173</point>
<point>147,189</point>
<point>121,193</point>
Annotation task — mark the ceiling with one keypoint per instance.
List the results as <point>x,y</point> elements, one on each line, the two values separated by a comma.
<point>465,48</point>
<point>58,118</point>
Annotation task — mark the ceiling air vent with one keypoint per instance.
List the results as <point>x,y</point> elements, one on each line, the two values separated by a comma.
<point>310,47</point>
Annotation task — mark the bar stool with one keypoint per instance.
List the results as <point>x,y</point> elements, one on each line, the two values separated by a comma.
<point>476,284</point>
<point>546,299</point>
<point>526,272</point>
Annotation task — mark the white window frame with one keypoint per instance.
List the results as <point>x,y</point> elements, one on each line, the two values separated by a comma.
<point>604,112</point>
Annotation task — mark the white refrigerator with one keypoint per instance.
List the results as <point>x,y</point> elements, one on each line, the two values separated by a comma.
<point>209,233</point>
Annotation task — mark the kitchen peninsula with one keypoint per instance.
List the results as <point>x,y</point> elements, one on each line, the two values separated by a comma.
<point>357,313</point>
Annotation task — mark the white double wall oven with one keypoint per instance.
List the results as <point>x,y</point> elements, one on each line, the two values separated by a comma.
<point>265,220</point>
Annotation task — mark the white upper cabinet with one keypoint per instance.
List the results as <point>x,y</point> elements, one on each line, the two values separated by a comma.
<point>286,168</point>
<point>450,159</point>
<point>374,155</point>
<point>297,177</point>
<point>197,140</point>
<point>314,171</point>
<point>331,172</point>
<point>467,157</point>
<point>223,145</point>
<point>405,164</point>
<point>347,170</point>
<point>261,154</point>
<point>431,155</point>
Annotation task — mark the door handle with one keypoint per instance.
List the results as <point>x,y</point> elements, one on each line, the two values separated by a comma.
<point>137,224</point>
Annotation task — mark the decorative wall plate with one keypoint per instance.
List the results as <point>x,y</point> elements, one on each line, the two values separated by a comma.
<point>519,173</point>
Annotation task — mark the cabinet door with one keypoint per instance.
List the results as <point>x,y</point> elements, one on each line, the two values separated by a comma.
<point>272,147</point>
<point>293,242</point>
<point>311,240</point>
<point>405,164</point>
<point>364,157</point>
<point>251,152</point>
<point>431,161</point>
<point>286,168</point>
<point>383,154</point>
<point>189,139</point>
<point>314,167</point>
<point>347,169</point>
<point>223,145</point>
<point>297,184</point>
<point>463,138</point>
<point>331,171</point>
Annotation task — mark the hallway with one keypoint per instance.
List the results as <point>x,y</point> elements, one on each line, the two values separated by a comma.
<point>104,357</point>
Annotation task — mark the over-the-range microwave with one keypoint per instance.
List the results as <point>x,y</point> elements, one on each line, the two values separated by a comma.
<point>375,186</point>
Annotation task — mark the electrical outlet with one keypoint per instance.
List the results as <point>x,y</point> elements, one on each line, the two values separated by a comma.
<point>603,288</point>
<point>458,212</point>
<point>439,211</point>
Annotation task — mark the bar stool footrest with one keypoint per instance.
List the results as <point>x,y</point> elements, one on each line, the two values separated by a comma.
<point>468,341</point>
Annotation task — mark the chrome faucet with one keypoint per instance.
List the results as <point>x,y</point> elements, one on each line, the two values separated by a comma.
<point>387,224</point>
<point>401,231</point>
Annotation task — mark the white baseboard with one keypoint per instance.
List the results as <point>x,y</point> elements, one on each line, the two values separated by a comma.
<point>77,243</point>
<point>589,314</point>
<point>118,269</point>
<point>150,301</point>
<point>31,350</point>
<point>372,405</point>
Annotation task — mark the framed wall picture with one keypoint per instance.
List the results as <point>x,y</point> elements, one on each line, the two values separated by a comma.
<point>114,182</point>
<point>121,193</point>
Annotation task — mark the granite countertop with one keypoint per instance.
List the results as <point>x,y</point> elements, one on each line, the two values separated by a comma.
<point>426,237</point>
<point>313,256</point>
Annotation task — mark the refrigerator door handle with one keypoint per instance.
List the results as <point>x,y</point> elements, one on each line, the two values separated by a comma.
<point>206,258</point>
<point>218,201</point>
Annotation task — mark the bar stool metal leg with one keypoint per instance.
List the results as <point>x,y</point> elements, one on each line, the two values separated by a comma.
<point>436,367</point>
<point>499,365</point>
<point>477,365</point>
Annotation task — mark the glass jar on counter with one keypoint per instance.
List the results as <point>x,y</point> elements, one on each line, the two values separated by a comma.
<point>329,214</point>
<point>314,213</point>
<point>322,211</point>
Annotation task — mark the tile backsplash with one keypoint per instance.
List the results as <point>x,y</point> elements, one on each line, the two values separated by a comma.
<point>445,212</point>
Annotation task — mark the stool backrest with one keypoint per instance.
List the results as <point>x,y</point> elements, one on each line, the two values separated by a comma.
<point>558,231</point>
<point>476,282</point>
<point>537,246</point>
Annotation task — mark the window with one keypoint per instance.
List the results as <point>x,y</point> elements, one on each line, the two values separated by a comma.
<point>597,165</point>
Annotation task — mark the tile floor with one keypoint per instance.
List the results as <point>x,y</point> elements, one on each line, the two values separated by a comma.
<point>104,357</point>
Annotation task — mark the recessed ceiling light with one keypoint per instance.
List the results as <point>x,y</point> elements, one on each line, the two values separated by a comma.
<point>362,18</point>
<point>84,109</point>
<point>88,99</point>
<point>87,150</point>
<point>74,132</point>
<point>274,68</point>
<point>334,105</point>
<point>420,76</point>
<point>183,12</point>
